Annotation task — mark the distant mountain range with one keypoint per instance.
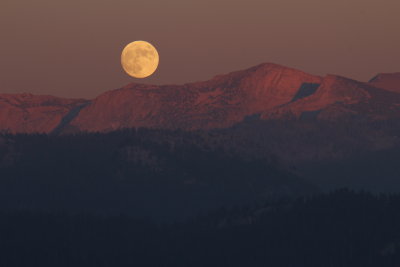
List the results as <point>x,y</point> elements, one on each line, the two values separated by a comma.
<point>267,91</point>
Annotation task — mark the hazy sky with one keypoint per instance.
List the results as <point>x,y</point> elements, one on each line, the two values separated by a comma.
<point>72,47</point>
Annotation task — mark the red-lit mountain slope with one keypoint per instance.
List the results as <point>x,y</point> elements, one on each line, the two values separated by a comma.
<point>337,98</point>
<point>27,113</point>
<point>269,91</point>
<point>388,81</point>
<point>219,102</point>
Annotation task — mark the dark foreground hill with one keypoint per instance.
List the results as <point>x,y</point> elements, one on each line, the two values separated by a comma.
<point>164,175</point>
<point>342,229</point>
<point>171,175</point>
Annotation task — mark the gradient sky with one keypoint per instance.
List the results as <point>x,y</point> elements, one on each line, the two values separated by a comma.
<point>72,47</point>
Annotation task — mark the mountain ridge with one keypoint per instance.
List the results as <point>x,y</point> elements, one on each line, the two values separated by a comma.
<point>216,103</point>
<point>272,90</point>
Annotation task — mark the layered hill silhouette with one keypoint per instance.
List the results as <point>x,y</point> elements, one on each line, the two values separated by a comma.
<point>267,91</point>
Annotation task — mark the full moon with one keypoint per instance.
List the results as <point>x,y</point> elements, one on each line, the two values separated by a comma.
<point>139,59</point>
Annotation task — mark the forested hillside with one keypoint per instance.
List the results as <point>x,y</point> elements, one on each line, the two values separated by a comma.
<point>343,229</point>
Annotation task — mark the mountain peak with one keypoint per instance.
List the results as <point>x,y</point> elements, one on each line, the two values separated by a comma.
<point>219,102</point>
